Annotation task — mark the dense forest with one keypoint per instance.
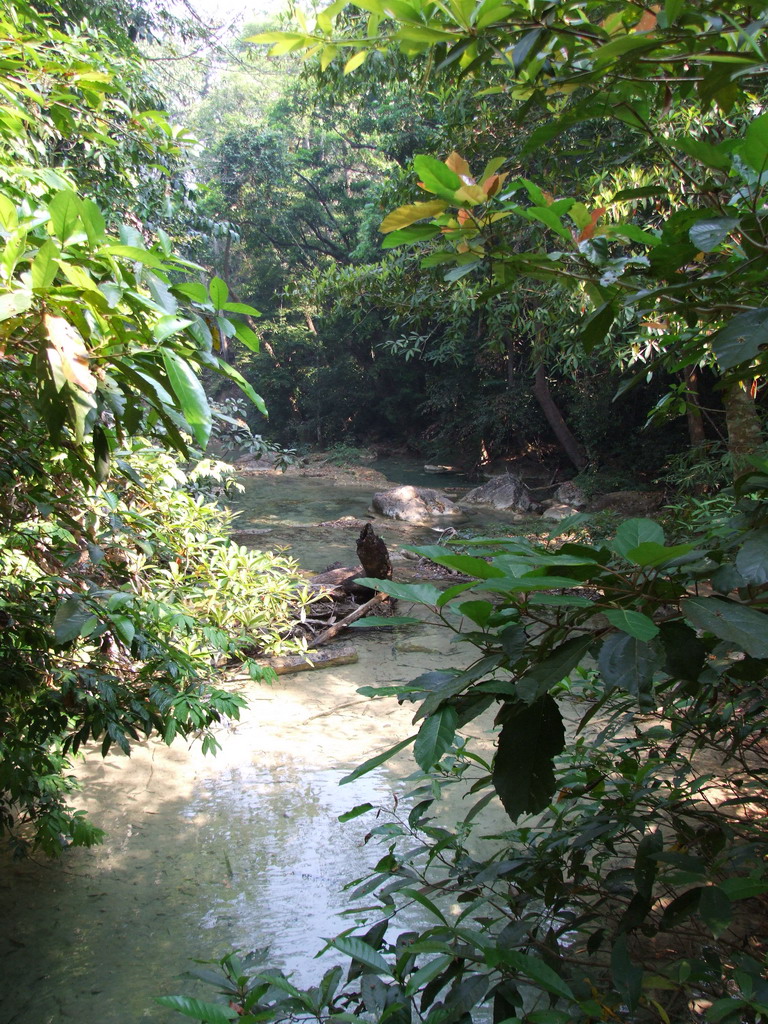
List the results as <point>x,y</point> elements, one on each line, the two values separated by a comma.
<point>487,233</point>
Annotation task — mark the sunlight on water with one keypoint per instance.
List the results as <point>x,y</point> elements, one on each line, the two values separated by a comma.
<point>207,854</point>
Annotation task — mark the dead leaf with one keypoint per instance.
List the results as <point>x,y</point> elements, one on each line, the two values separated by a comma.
<point>68,354</point>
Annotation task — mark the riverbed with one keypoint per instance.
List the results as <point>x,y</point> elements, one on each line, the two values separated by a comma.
<point>241,850</point>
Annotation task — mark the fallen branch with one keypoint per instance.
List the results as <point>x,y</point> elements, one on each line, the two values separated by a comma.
<point>332,631</point>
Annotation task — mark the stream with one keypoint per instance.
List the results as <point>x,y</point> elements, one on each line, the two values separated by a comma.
<point>241,850</point>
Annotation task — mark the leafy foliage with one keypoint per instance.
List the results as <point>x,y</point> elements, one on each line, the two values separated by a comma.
<point>116,576</point>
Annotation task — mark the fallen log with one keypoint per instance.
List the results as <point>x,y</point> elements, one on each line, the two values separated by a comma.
<point>340,654</point>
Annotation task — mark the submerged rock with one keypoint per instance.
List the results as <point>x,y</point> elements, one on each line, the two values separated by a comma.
<point>413,504</point>
<point>504,492</point>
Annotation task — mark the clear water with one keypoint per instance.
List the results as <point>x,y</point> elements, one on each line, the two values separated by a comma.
<point>206,854</point>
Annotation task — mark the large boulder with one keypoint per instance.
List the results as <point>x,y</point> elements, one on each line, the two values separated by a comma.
<point>569,493</point>
<point>506,492</point>
<point>413,504</point>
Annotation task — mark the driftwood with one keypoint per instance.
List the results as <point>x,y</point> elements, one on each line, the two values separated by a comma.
<point>336,628</point>
<point>340,654</point>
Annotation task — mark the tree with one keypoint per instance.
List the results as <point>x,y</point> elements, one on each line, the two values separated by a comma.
<point>103,633</point>
<point>680,259</point>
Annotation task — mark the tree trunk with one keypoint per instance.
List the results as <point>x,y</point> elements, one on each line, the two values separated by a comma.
<point>745,435</point>
<point>560,428</point>
<point>693,407</point>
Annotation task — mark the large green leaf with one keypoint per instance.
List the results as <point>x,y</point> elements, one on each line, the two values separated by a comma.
<point>635,532</point>
<point>229,371</point>
<point>741,339</point>
<point>634,623</point>
<point>363,953</point>
<point>436,176</point>
<point>191,395</point>
<point>747,627</point>
<point>416,593</point>
<point>64,209</point>
<point>435,737</point>
<point>530,966</point>
<point>207,1013</point>
<point>69,619</point>
<point>629,664</point>
<point>523,773</point>
<point>752,558</point>
<point>218,291</point>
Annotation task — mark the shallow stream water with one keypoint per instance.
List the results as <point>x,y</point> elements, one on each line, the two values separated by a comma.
<point>242,850</point>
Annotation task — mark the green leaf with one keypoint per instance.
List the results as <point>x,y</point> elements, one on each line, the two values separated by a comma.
<point>754,148</point>
<point>363,953</point>
<point>355,812</point>
<point>715,909</point>
<point>14,303</point>
<point>634,623</point>
<point>706,235</point>
<point>416,593</point>
<point>594,329</point>
<point>167,326</point>
<point>133,252</point>
<point>218,291</point>
<point>191,395</point>
<point>248,337</point>
<point>741,339</point>
<point>240,307</point>
<point>530,966</point>
<point>554,668</point>
<point>711,156</point>
<point>634,532</point>
<point>736,623</point>
<point>407,236</point>
<point>627,977</point>
<point>93,222</point>
<point>435,737</point>
<point>681,908</point>
<point>523,773</point>
<point>435,967</point>
<point>207,1013</point>
<point>752,558</point>
<point>193,290</point>
<point>744,888</point>
<point>71,615</point>
<point>649,553</point>
<point>629,664</point>
<point>437,177</point>
<point>64,209</point>
<point>45,265</point>
<point>646,863</point>
<point>229,371</point>
<point>374,762</point>
<point>478,612</point>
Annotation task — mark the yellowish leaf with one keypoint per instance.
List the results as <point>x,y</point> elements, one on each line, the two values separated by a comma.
<point>355,61</point>
<point>404,216</point>
<point>458,165</point>
<point>471,194</point>
<point>68,354</point>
